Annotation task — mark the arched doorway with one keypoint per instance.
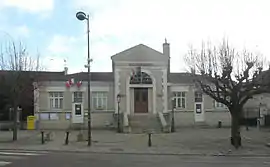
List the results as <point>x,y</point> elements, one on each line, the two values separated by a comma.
<point>141,82</point>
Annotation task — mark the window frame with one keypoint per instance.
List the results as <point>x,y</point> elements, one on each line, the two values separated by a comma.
<point>54,96</point>
<point>180,96</point>
<point>220,106</point>
<point>99,97</point>
<point>74,97</point>
<point>198,97</point>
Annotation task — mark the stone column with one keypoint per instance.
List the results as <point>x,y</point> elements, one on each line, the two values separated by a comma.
<point>165,90</point>
<point>116,87</point>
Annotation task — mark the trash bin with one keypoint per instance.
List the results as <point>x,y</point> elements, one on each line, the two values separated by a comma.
<point>31,122</point>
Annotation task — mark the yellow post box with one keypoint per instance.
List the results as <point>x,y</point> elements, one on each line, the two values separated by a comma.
<point>31,122</point>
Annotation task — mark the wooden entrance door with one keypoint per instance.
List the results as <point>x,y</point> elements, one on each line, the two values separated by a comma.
<point>141,100</point>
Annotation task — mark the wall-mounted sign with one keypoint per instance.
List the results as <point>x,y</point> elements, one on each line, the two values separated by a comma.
<point>140,64</point>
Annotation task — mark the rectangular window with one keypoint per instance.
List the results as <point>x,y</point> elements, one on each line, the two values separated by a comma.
<point>78,97</point>
<point>180,99</point>
<point>219,105</point>
<point>68,116</point>
<point>99,100</point>
<point>54,116</point>
<point>198,97</point>
<point>56,100</point>
<point>44,116</point>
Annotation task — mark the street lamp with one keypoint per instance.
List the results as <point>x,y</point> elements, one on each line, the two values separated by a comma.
<point>173,107</point>
<point>82,16</point>
<point>118,112</point>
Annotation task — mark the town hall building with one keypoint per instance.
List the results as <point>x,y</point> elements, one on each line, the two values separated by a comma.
<point>140,90</point>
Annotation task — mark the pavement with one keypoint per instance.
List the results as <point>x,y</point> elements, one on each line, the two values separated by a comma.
<point>188,141</point>
<point>52,159</point>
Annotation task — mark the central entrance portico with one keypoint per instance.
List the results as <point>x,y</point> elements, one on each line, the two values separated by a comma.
<point>140,100</point>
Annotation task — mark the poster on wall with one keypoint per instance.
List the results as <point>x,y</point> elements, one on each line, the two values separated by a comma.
<point>68,116</point>
<point>44,116</point>
<point>198,108</point>
<point>54,116</point>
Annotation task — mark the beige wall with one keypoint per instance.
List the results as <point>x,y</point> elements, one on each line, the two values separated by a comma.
<point>68,94</point>
<point>99,120</point>
<point>186,119</point>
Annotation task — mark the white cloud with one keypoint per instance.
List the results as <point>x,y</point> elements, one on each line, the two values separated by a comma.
<point>61,44</point>
<point>29,5</point>
<point>120,24</point>
<point>22,31</point>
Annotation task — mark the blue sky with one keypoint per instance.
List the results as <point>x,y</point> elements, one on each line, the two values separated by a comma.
<point>50,26</point>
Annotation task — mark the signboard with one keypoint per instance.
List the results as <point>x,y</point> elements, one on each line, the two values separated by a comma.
<point>140,64</point>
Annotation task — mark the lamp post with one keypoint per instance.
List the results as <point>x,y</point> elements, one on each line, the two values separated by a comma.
<point>173,107</point>
<point>82,16</point>
<point>118,112</point>
<point>259,116</point>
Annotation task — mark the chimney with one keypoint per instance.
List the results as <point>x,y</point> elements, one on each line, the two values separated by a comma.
<point>65,67</point>
<point>66,70</point>
<point>166,48</point>
<point>166,52</point>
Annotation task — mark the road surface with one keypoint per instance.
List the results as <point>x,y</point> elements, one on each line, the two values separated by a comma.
<point>45,159</point>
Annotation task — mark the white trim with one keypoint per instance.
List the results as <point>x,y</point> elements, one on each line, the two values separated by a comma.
<point>98,97</point>
<point>128,86</point>
<point>179,88</point>
<point>49,100</point>
<point>72,96</point>
<point>182,97</point>
<point>116,87</point>
<point>165,91</point>
<point>146,63</point>
<point>199,117</point>
<point>75,89</point>
<point>141,85</point>
<point>146,67</point>
<point>77,118</point>
<point>48,111</point>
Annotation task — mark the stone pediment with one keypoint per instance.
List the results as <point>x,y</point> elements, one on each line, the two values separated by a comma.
<point>140,53</point>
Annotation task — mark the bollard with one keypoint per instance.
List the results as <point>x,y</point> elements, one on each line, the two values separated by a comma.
<point>258,123</point>
<point>149,140</point>
<point>67,134</point>
<point>42,137</point>
<point>219,124</point>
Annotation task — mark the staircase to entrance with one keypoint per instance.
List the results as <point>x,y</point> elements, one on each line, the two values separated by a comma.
<point>143,123</point>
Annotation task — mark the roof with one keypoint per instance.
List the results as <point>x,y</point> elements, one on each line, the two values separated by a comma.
<point>96,76</point>
<point>181,78</point>
<point>139,52</point>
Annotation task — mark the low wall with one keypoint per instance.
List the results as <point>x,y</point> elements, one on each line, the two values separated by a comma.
<point>98,121</point>
<point>186,119</point>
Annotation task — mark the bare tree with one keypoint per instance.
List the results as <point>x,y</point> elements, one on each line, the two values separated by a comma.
<point>17,68</point>
<point>229,77</point>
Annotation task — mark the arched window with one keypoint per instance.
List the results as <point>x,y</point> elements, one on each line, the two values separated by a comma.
<point>140,78</point>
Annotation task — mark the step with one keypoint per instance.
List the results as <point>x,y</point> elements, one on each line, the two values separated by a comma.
<point>144,123</point>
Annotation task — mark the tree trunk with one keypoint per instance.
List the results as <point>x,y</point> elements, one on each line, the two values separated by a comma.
<point>235,129</point>
<point>15,124</point>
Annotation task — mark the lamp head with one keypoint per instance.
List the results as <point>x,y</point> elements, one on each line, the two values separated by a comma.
<point>118,98</point>
<point>81,16</point>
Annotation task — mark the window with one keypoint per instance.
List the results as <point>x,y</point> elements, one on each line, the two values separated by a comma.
<point>68,116</point>
<point>48,116</point>
<point>56,100</point>
<point>54,116</point>
<point>219,105</point>
<point>140,78</point>
<point>44,116</point>
<point>99,100</point>
<point>198,97</point>
<point>77,97</point>
<point>180,99</point>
